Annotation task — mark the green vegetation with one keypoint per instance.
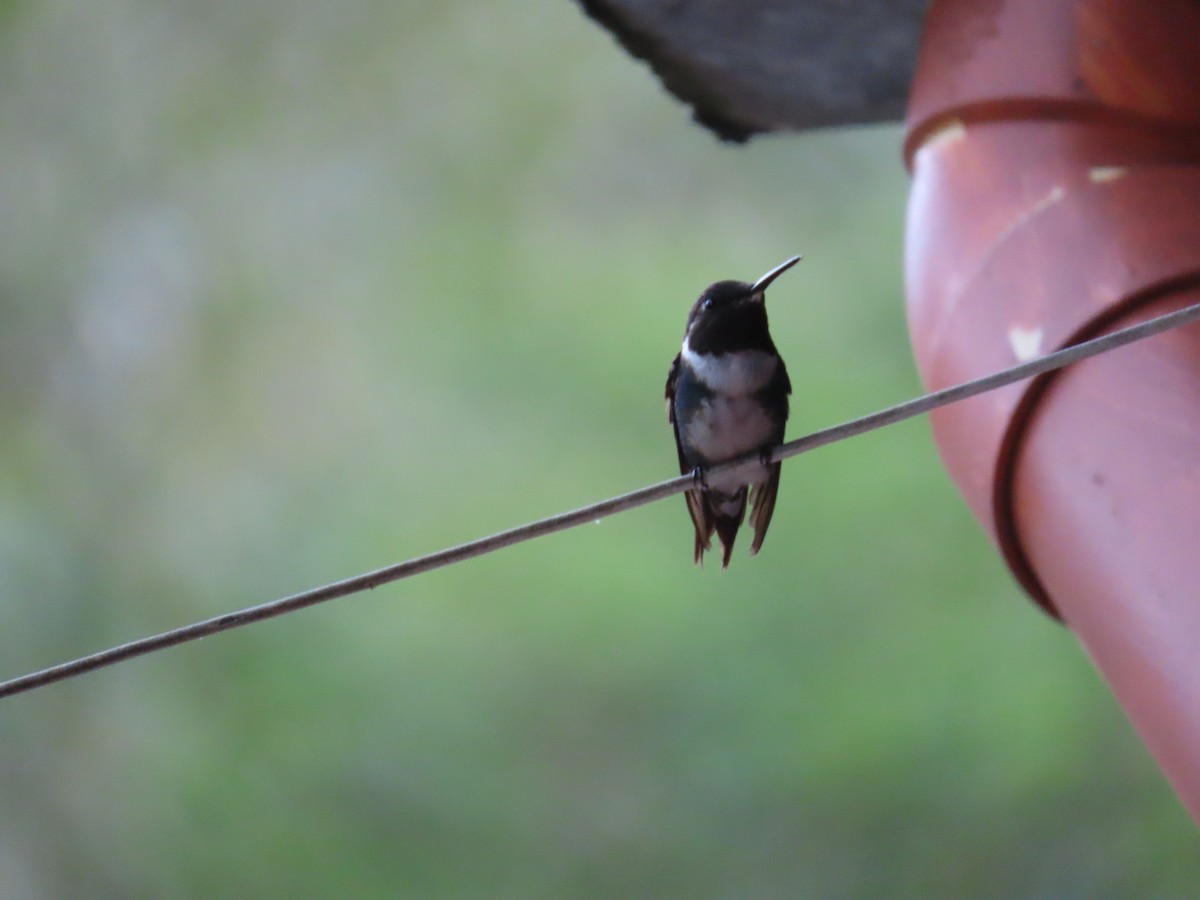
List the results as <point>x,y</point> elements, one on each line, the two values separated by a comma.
<point>293,290</point>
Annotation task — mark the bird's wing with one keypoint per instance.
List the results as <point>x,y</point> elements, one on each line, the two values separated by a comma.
<point>762,496</point>
<point>672,377</point>
<point>762,505</point>
<point>698,509</point>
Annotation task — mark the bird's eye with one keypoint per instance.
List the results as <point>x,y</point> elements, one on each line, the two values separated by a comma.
<point>707,304</point>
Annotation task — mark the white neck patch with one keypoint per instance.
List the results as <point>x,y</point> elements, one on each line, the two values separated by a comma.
<point>739,373</point>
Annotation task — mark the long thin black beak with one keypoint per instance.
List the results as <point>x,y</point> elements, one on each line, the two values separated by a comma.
<point>761,284</point>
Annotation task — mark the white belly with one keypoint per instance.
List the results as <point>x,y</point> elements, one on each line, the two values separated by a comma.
<point>731,421</point>
<point>724,427</point>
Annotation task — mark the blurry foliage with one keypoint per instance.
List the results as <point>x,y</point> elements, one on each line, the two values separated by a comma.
<point>289,291</point>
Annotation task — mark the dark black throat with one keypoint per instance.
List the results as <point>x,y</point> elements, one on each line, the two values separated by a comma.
<point>740,327</point>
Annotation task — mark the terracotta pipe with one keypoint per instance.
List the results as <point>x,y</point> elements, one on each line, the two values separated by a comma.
<point>1055,153</point>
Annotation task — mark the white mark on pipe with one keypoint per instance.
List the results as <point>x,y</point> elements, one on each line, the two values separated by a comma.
<point>945,133</point>
<point>1026,343</point>
<point>1101,174</point>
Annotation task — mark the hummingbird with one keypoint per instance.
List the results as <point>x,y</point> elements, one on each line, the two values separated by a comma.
<point>727,395</point>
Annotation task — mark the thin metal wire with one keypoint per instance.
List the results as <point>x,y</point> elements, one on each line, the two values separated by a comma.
<point>604,508</point>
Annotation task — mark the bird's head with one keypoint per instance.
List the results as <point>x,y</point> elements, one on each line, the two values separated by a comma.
<point>732,315</point>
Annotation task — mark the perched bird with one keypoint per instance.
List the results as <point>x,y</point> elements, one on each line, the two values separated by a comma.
<point>727,395</point>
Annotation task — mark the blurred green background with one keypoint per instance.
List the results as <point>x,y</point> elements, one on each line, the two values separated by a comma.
<point>293,290</point>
